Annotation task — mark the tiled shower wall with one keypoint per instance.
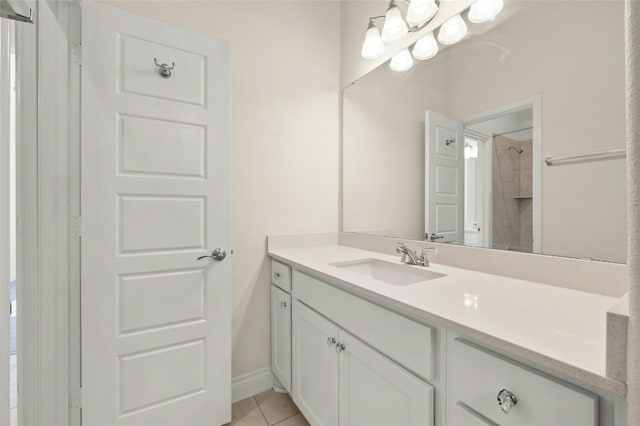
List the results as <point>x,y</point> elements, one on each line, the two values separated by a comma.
<point>512,192</point>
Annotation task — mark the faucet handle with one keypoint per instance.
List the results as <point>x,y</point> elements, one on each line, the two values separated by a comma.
<point>401,247</point>
<point>424,259</point>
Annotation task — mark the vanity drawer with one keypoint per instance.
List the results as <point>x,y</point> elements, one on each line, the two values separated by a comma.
<point>407,342</point>
<point>475,377</point>
<point>281,275</point>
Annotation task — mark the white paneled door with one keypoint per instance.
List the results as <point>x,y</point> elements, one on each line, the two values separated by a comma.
<point>156,320</point>
<point>444,179</point>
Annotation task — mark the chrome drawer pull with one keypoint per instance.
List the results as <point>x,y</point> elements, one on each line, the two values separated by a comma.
<point>506,400</point>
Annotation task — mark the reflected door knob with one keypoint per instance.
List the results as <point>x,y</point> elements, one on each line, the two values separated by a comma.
<point>217,254</point>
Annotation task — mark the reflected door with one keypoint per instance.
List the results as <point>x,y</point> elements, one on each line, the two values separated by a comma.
<point>156,335</point>
<point>444,179</point>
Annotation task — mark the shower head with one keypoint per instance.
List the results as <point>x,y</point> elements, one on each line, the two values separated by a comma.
<point>518,150</point>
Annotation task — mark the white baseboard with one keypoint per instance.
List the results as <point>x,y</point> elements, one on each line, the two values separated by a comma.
<point>251,383</point>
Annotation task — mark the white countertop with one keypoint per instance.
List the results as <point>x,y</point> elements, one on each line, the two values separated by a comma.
<point>561,329</point>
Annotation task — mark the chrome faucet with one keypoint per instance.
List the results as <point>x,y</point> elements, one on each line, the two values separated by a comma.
<point>410,256</point>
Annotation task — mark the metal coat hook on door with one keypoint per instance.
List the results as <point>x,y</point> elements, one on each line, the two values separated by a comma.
<point>164,70</point>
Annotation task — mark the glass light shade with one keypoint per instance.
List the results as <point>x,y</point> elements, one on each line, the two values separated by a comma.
<point>485,10</point>
<point>401,61</point>
<point>395,29</point>
<point>452,31</point>
<point>426,47</point>
<point>373,45</point>
<point>421,11</point>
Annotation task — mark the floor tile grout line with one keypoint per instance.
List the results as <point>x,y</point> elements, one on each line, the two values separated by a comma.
<point>285,419</point>
<point>260,408</point>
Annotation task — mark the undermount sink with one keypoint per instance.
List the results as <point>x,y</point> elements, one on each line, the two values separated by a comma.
<point>390,273</point>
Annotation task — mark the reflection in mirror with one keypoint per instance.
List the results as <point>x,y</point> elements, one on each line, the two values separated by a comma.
<point>454,149</point>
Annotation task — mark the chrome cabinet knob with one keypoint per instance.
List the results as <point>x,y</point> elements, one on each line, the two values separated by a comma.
<point>331,341</point>
<point>217,254</point>
<point>276,275</point>
<point>283,304</point>
<point>340,347</point>
<point>506,400</point>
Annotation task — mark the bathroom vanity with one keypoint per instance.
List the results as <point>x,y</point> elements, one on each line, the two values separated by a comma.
<point>360,338</point>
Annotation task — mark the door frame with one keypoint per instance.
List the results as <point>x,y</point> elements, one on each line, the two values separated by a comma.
<point>5,191</point>
<point>535,103</point>
<point>483,174</point>
<point>44,129</point>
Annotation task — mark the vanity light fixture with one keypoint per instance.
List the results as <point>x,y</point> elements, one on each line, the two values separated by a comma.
<point>426,47</point>
<point>485,10</point>
<point>401,61</point>
<point>373,45</point>
<point>419,14</point>
<point>420,11</point>
<point>452,31</point>
<point>395,28</point>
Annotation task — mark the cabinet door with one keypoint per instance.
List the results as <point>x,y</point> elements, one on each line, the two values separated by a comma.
<point>315,366</point>
<point>281,336</point>
<point>376,391</point>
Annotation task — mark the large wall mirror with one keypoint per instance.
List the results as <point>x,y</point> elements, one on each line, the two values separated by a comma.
<point>511,139</point>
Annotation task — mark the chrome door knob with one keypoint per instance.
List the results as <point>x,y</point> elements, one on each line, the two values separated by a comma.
<point>217,254</point>
<point>506,400</point>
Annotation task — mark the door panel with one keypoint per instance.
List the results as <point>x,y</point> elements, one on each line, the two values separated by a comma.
<point>315,366</point>
<point>376,391</point>
<point>187,82</point>
<point>160,148</point>
<point>137,370</point>
<point>444,178</point>
<point>148,301</point>
<point>156,335</point>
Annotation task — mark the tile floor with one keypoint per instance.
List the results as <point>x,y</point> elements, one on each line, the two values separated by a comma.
<point>267,409</point>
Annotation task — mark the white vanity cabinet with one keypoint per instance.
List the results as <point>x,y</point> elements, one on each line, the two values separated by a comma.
<point>315,366</point>
<point>338,379</point>
<point>376,391</point>
<point>281,323</point>
<point>354,362</point>
<point>478,379</point>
